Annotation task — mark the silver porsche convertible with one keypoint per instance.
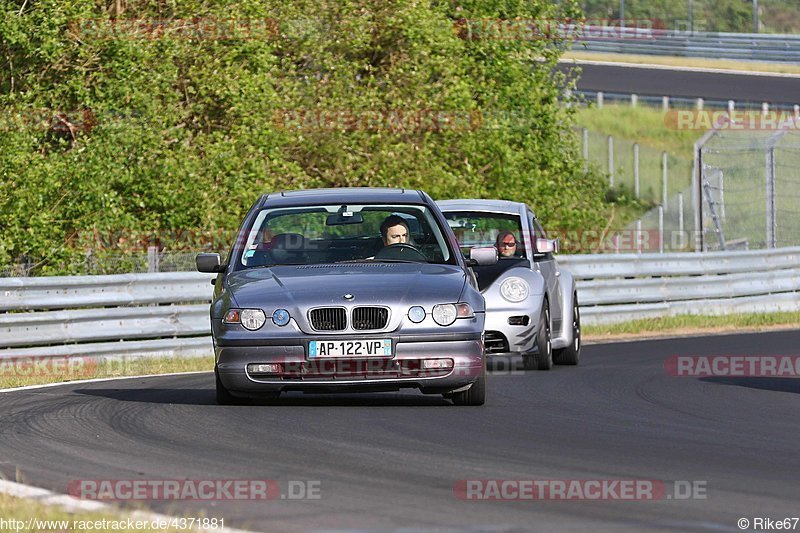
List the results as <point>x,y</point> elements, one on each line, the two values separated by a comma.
<point>531,302</point>
<point>347,290</point>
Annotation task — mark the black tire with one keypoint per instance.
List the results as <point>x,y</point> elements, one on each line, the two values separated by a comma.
<point>475,395</point>
<point>543,358</point>
<point>571,355</point>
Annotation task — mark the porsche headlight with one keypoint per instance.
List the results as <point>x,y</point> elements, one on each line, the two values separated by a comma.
<point>514,289</point>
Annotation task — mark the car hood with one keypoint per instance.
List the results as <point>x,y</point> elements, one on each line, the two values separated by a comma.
<point>370,283</point>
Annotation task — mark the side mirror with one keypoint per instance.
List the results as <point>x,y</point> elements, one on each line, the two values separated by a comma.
<point>482,256</point>
<point>209,263</point>
<point>547,246</point>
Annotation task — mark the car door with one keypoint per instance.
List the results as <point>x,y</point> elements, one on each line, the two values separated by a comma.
<point>546,265</point>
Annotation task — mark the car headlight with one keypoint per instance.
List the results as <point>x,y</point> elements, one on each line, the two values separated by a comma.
<point>514,289</point>
<point>446,314</point>
<point>416,314</point>
<point>251,319</point>
<point>280,317</point>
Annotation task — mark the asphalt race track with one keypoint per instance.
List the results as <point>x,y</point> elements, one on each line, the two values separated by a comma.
<point>679,83</point>
<point>389,462</point>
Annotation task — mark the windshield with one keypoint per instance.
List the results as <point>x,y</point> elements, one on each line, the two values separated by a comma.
<point>345,233</point>
<point>488,229</point>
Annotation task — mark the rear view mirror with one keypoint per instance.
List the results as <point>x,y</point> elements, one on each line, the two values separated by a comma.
<point>344,217</point>
<point>482,256</point>
<point>209,263</point>
<point>547,246</point>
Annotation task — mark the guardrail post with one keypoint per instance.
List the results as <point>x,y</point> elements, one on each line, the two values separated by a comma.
<point>796,110</point>
<point>661,229</point>
<point>610,161</point>
<point>699,104</point>
<point>599,99</point>
<point>636,170</point>
<point>665,103</point>
<point>152,259</point>
<point>634,100</point>
<point>731,106</point>
<point>764,108</point>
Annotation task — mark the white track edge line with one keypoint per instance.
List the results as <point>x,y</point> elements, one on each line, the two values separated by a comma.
<point>98,380</point>
<point>72,504</point>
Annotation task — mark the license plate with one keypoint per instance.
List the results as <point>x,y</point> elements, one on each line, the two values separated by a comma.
<point>363,348</point>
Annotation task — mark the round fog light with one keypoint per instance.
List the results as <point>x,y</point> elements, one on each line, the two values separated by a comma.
<point>416,314</point>
<point>280,317</point>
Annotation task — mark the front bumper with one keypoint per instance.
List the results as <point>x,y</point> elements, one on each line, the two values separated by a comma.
<point>511,328</point>
<point>403,370</point>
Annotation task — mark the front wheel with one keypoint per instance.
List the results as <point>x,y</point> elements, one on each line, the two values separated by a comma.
<point>543,358</point>
<point>475,395</point>
<point>572,353</point>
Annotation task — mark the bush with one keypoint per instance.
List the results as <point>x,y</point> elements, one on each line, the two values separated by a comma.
<point>167,135</point>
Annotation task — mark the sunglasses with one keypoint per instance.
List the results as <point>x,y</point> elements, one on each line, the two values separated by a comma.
<point>508,244</point>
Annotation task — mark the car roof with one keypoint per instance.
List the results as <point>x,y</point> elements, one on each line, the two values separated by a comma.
<point>492,206</point>
<point>344,195</point>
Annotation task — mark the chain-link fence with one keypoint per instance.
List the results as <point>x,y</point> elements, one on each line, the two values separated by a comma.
<point>105,262</point>
<point>750,185</point>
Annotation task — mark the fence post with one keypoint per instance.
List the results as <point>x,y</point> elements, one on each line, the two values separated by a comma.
<point>152,259</point>
<point>664,179</point>
<point>661,229</point>
<point>639,236</point>
<point>636,170</point>
<point>599,99</point>
<point>770,197</point>
<point>610,161</point>
<point>585,151</point>
<point>697,196</point>
<point>681,228</point>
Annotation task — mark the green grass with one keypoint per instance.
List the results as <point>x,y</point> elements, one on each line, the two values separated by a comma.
<point>21,509</point>
<point>691,323</point>
<point>25,372</point>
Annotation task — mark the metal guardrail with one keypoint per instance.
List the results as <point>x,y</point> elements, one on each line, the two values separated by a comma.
<point>167,314</point>
<point>616,288</point>
<point>745,46</point>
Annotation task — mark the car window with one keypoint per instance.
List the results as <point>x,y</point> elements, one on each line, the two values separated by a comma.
<point>473,228</point>
<point>337,233</point>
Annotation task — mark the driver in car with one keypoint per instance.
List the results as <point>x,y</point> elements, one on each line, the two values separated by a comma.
<point>394,230</point>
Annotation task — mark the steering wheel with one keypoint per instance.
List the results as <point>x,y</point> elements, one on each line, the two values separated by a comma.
<point>401,251</point>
